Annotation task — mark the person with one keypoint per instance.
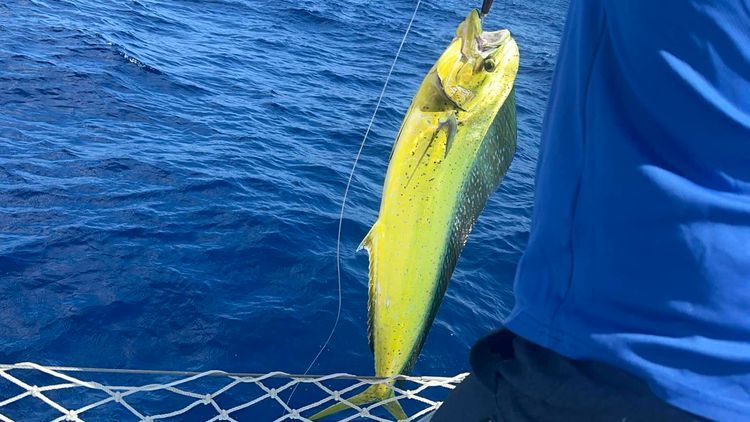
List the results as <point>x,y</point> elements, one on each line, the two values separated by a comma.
<point>633,294</point>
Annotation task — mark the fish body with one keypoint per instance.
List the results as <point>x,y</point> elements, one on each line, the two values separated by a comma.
<point>455,144</point>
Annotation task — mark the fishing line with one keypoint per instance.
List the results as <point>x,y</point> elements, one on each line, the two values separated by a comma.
<point>346,193</point>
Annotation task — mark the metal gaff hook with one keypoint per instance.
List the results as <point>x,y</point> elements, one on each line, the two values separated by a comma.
<point>486,4</point>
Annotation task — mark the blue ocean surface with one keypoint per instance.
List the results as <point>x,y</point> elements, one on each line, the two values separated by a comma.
<point>171,174</point>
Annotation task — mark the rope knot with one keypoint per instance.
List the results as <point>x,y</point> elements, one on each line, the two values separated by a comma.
<point>34,391</point>
<point>206,399</point>
<point>223,415</point>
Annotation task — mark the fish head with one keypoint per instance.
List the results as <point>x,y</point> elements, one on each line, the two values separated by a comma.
<point>475,61</point>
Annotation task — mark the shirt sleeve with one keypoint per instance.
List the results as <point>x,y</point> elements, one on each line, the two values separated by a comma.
<point>687,64</point>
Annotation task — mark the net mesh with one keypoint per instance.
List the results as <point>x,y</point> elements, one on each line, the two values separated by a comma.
<point>75,394</point>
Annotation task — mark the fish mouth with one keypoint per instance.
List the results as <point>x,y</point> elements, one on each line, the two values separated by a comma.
<point>489,41</point>
<point>477,42</point>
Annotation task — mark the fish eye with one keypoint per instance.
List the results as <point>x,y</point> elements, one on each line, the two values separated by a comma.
<point>489,65</point>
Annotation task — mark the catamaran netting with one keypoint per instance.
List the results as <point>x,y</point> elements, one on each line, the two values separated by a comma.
<point>31,391</point>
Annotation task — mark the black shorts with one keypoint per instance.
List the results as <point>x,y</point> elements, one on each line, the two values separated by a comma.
<point>515,380</point>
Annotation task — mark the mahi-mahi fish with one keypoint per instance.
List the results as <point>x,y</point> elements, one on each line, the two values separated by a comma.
<point>454,147</point>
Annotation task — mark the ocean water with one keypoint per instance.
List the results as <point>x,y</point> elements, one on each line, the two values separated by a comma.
<point>171,174</point>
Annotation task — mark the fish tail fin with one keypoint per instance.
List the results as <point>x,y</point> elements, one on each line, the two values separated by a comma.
<point>395,409</point>
<point>374,393</point>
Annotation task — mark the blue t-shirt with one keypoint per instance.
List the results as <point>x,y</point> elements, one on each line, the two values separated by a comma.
<point>639,253</point>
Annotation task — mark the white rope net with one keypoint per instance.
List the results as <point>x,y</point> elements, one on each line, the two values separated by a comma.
<point>34,392</point>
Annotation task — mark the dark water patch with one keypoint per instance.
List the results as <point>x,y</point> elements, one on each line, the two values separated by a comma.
<point>314,14</point>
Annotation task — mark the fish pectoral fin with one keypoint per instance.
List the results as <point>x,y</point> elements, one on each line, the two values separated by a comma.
<point>447,125</point>
<point>450,125</point>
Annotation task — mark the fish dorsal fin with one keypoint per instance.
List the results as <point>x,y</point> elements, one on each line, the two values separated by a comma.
<point>369,244</point>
